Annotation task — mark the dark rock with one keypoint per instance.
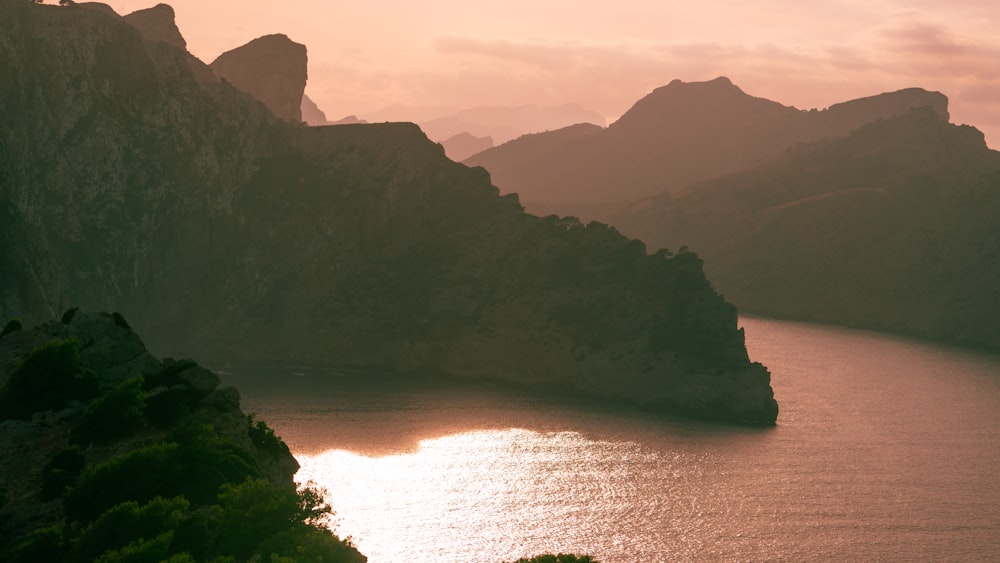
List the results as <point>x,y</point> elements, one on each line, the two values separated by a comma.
<point>272,69</point>
<point>157,24</point>
<point>201,380</point>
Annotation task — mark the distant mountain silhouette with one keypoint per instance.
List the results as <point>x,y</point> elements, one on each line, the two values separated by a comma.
<point>227,233</point>
<point>272,69</point>
<point>349,120</point>
<point>679,134</point>
<point>464,145</point>
<point>894,227</point>
<point>498,122</point>
<point>311,114</point>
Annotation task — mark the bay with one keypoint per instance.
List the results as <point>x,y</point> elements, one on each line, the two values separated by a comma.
<point>885,449</point>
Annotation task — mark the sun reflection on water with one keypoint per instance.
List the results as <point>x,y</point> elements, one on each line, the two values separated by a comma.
<point>494,495</point>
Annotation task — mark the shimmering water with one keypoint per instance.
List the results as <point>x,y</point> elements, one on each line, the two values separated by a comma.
<point>885,449</point>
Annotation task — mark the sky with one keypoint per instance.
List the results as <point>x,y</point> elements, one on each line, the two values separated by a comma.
<point>444,55</point>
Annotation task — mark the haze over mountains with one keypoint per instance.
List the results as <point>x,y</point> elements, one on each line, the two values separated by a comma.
<point>875,212</point>
<point>225,232</point>
<point>678,134</point>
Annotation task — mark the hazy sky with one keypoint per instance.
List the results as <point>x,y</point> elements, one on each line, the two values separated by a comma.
<point>605,55</point>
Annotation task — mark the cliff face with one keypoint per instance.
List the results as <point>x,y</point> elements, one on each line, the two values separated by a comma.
<point>893,227</point>
<point>157,24</point>
<point>228,234</point>
<point>679,134</point>
<point>272,69</point>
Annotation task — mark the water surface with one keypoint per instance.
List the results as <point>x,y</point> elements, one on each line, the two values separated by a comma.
<point>885,449</point>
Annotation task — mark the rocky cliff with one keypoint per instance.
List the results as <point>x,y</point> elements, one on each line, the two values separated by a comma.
<point>231,235</point>
<point>108,451</point>
<point>272,69</point>
<point>157,24</point>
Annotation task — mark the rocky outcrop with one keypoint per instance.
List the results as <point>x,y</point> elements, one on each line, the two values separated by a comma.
<point>229,235</point>
<point>157,24</point>
<point>102,402</point>
<point>677,135</point>
<point>272,69</point>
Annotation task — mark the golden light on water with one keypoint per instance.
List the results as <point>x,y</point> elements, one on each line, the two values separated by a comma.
<point>494,495</point>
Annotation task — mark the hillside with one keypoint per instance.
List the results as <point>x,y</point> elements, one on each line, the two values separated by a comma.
<point>110,454</point>
<point>228,234</point>
<point>894,227</point>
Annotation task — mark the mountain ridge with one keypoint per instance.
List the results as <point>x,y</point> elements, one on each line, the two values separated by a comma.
<point>228,233</point>
<point>679,134</point>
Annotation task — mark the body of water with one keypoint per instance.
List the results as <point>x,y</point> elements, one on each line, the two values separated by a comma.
<point>885,449</point>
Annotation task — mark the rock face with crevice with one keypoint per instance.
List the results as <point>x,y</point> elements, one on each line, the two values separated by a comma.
<point>272,69</point>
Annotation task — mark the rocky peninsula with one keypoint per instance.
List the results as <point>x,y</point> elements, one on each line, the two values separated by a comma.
<point>224,232</point>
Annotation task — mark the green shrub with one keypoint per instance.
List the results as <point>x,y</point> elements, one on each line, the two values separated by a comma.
<point>117,414</point>
<point>258,517</point>
<point>263,437</point>
<point>61,473</point>
<point>166,408</point>
<point>194,466</point>
<point>50,376</point>
<point>142,550</point>
<point>167,376</point>
<point>128,523</point>
<point>48,544</point>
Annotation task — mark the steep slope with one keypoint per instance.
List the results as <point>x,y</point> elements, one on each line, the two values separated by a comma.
<point>678,134</point>
<point>894,227</point>
<point>229,234</point>
<point>272,69</point>
<point>157,24</point>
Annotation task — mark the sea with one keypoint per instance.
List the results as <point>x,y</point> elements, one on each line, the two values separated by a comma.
<point>886,449</point>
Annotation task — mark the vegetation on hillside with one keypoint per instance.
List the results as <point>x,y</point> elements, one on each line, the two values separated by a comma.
<point>138,471</point>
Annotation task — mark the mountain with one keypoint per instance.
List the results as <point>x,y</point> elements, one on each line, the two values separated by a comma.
<point>679,134</point>
<point>311,114</point>
<point>893,227</point>
<point>111,454</point>
<point>501,123</point>
<point>464,145</point>
<point>272,69</point>
<point>232,235</point>
<point>158,24</point>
